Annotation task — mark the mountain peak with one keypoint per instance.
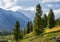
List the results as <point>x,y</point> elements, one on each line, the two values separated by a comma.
<point>7,22</point>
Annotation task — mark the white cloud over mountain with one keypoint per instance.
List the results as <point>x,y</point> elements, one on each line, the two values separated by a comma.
<point>15,8</point>
<point>11,5</point>
<point>7,3</point>
<point>29,5</point>
<point>32,8</point>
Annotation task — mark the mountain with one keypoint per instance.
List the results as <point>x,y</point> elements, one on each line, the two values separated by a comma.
<point>8,19</point>
<point>29,14</point>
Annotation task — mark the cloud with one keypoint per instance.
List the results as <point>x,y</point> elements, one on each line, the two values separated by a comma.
<point>7,3</point>
<point>11,5</point>
<point>15,8</point>
<point>0,5</point>
<point>57,13</point>
<point>50,5</point>
<point>27,3</point>
<point>30,8</point>
<point>44,1</point>
<point>53,5</point>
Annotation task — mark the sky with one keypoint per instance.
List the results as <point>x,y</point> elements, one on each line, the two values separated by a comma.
<point>29,5</point>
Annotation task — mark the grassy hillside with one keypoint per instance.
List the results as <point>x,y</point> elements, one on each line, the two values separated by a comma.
<point>48,36</point>
<point>57,28</point>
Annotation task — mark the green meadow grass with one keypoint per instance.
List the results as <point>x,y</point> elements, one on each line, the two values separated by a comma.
<point>46,37</point>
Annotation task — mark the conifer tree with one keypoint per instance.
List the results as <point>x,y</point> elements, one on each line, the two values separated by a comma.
<point>24,31</point>
<point>29,27</point>
<point>51,19</point>
<point>16,31</point>
<point>38,28</point>
<point>45,20</point>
